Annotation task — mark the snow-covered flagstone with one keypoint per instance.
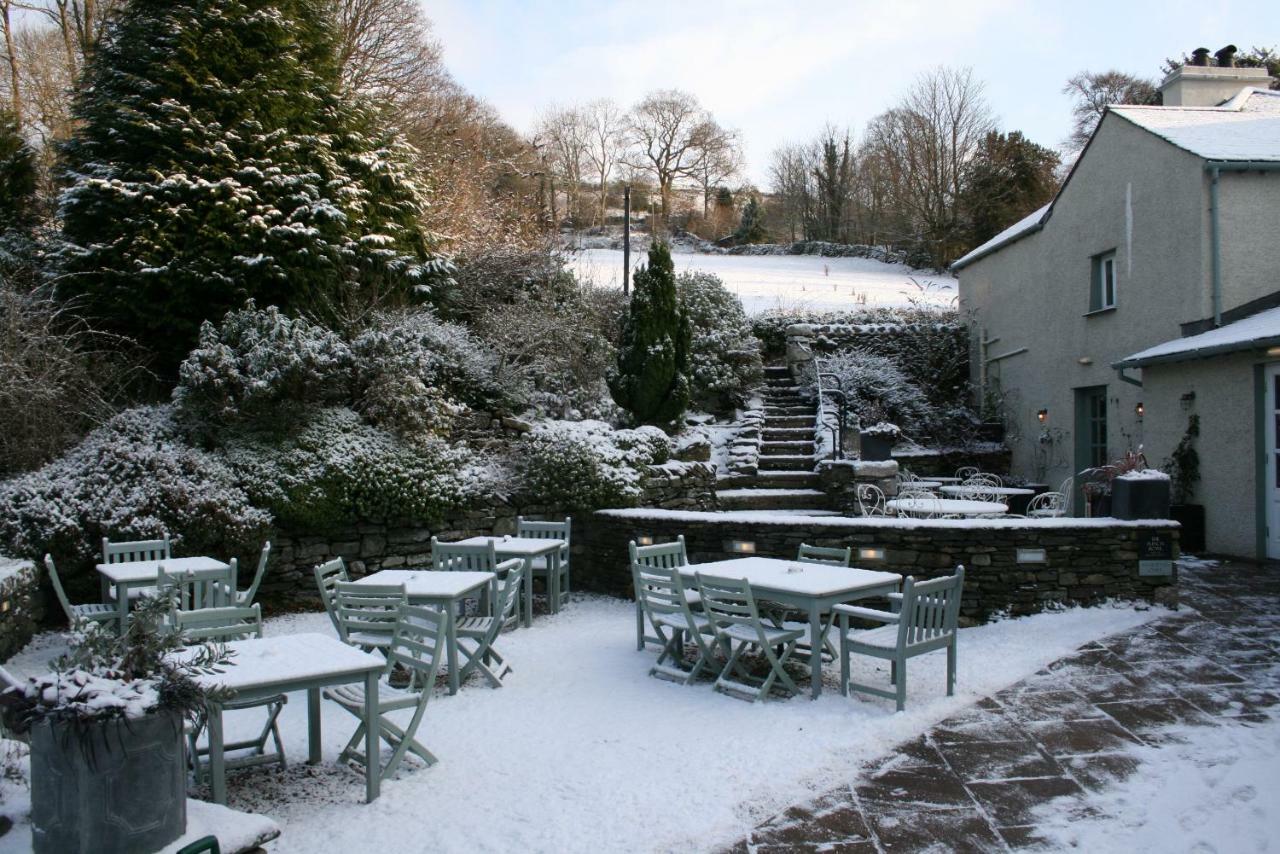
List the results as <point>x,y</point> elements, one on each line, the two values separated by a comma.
<point>582,751</point>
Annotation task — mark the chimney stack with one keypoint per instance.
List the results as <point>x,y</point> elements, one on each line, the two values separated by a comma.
<point>1226,57</point>
<point>1200,57</point>
<point>1199,84</point>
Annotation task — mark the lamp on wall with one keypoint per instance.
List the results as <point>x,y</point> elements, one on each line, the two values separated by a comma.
<point>1188,400</point>
<point>1042,416</point>
<point>644,540</point>
<point>742,547</point>
<point>1139,410</point>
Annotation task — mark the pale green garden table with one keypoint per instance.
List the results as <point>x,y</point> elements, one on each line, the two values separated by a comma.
<point>264,667</point>
<point>809,587</point>
<point>133,574</point>
<point>528,549</point>
<point>443,589</point>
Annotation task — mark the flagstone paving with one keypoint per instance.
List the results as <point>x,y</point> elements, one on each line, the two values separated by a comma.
<point>972,782</point>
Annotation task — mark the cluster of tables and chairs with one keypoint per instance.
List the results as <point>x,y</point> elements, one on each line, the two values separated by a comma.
<point>720,612</point>
<point>969,494</point>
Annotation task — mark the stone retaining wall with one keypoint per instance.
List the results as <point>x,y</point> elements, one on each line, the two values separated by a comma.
<point>1086,560</point>
<point>21,605</point>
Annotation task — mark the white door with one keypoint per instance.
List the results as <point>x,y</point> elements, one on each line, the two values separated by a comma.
<point>1272,416</point>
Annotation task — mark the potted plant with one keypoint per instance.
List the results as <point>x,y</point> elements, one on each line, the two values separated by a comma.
<point>1127,488</point>
<point>1183,467</point>
<point>108,754</point>
<point>877,441</point>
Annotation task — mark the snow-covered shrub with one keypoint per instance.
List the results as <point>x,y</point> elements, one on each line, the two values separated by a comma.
<point>133,478</point>
<point>336,468</point>
<point>416,373</point>
<point>724,357</point>
<point>879,391</point>
<point>255,361</point>
<point>586,465</point>
<point>503,275</point>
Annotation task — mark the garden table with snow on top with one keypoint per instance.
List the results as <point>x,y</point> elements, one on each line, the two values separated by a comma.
<point>444,590</point>
<point>944,507</point>
<point>134,574</point>
<point>265,667</point>
<point>528,549</point>
<point>1017,496</point>
<point>809,587</point>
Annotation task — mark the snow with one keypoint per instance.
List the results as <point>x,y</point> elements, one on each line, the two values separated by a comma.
<point>9,567</point>
<point>1215,792</point>
<point>1259,330</point>
<point>771,493</point>
<point>1143,474</point>
<point>581,750</point>
<point>788,282</point>
<point>865,523</point>
<point>1246,128</point>
<point>1010,234</point>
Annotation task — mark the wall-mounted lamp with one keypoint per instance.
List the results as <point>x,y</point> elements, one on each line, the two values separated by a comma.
<point>1188,399</point>
<point>1273,351</point>
<point>1042,416</point>
<point>871,553</point>
<point>742,547</point>
<point>1139,410</point>
<point>644,540</point>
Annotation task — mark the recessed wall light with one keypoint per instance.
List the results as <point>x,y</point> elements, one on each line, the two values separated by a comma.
<point>1032,556</point>
<point>871,553</point>
<point>742,547</point>
<point>644,540</point>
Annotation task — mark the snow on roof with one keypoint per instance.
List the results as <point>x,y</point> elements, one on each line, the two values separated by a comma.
<point>1027,225</point>
<point>1247,127</point>
<point>1259,330</point>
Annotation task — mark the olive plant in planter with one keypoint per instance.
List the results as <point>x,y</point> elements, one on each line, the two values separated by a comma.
<point>878,441</point>
<point>108,761</point>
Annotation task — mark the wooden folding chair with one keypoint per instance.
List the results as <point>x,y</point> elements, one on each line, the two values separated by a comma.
<point>661,556</point>
<point>731,607</point>
<point>477,634</point>
<point>662,597</point>
<point>327,575</point>
<point>367,614</point>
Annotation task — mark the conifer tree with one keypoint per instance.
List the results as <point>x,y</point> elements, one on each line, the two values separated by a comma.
<point>650,380</point>
<point>218,159</point>
<point>17,177</point>
<point>751,227</point>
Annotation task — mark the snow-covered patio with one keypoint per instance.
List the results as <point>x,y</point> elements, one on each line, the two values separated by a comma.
<point>582,751</point>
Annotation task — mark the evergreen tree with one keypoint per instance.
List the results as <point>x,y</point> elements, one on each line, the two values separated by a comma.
<point>650,380</point>
<point>751,227</point>
<point>218,159</point>
<point>1009,177</point>
<point>17,177</point>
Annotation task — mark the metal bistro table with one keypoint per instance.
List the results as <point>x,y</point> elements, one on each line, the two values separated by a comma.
<point>264,667</point>
<point>944,507</point>
<point>135,574</point>
<point>527,549</point>
<point>814,589</point>
<point>445,590</point>
<point>1017,495</point>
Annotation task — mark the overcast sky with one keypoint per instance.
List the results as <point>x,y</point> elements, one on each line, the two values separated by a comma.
<point>778,71</point>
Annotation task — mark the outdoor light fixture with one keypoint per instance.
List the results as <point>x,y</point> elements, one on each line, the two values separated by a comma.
<point>1140,410</point>
<point>1273,351</point>
<point>1188,399</point>
<point>644,540</point>
<point>1032,556</point>
<point>742,547</point>
<point>1042,416</point>
<point>871,553</point>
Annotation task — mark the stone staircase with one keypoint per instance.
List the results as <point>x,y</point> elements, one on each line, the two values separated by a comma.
<point>785,480</point>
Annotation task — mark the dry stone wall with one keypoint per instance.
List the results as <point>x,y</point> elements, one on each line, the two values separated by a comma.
<point>21,606</point>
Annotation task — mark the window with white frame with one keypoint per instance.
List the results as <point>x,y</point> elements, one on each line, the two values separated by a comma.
<point>1102,291</point>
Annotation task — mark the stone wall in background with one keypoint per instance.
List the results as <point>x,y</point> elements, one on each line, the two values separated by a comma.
<point>1086,561</point>
<point>21,606</point>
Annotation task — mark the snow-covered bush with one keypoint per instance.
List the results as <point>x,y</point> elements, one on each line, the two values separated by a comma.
<point>133,478</point>
<point>255,361</point>
<point>724,360</point>
<point>416,373</point>
<point>879,391</point>
<point>336,468</point>
<point>586,465</point>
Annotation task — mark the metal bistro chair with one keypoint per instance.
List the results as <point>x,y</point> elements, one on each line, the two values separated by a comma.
<point>557,587</point>
<point>662,556</point>
<point>664,602</point>
<point>731,608</point>
<point>417,646</point>
<point>870,499</point>
<point>1049,505</point>
<point>328,575</point>
<point>367,613</point>
<point>926,621</point>
<point>477,634</point>
<point>929,506</point>
<point>221,625</point>
<point>92,612</point>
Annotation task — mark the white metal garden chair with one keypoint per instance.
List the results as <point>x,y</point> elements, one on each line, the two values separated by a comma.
<point>327,575</point>
<point>222,625</point>
<point>663,599</point>
<point>926,621</point>
<point>417,646</point>
<point>476,635</point>
<point>556,587</point>
<point>367,613</point>
<point>870,499</point>
<point>730,606</point>
<point>662,556</point>
<point>92,612</point>
<point>927,505</point>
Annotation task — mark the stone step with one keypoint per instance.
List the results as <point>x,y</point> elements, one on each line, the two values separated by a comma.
<point>770,480</point>
<point>771,499</point>
<point>777,371</point>
<point>792,447</point>
<point>788,434</point>
<point>788,462</point>
<point>787,421</point>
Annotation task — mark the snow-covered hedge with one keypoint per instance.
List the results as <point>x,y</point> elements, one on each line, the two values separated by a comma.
<point>879,391</point>
<point>724,361</point>
<point>586,465</point>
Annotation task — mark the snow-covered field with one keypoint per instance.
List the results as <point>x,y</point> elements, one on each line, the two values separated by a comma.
<point>583,751</point>
<point>791,282</point>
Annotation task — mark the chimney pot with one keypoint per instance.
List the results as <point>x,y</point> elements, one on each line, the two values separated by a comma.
<point>1227,57</point>
<point>1200,57</point>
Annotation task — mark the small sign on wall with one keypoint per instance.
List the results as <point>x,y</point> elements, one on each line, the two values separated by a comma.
<point>1155,553</point>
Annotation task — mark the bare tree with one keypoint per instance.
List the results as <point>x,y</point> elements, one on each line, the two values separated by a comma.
<point>666,131</point>
<point>385,47</point>
<point>790,183</point>
<point>719,158</point>
<point>11,58</point>
<point>1092,93</point>
<point>605,142</point>
<point>563,137</point>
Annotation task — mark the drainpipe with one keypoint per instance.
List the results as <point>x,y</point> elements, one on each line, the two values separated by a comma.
<point>1215,168</point>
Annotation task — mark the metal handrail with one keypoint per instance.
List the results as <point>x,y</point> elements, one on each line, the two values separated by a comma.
<point>842,407</point>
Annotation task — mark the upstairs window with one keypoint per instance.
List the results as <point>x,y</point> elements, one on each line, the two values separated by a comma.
<point>1102,290</point>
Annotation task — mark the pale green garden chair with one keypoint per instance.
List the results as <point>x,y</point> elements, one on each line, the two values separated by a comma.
<point>664,601</point>
<point>245,597</point>
<point>327,576</point>
<point>557,587</point>
<point>417,646</point>
<point>659,556</point>
<point>458,557</point>
<point>928,613</point>
<point>222,625</point>
<point>134,550</point>
<point>826,556</point>
<point>477,634</point>
<point>92,612</point>
<point>191,591</point>
<point>730,606</point>
<point>367,614</point>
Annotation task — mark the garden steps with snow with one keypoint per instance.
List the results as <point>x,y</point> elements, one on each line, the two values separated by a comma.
<point>787,462</point>
<point>772,480</point>
<point>771,499</point>
<point>786,447</point>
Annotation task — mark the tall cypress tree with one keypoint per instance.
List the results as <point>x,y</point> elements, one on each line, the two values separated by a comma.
<point>650,379</point>
<point>17,176</point>
<point>219,159</point>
